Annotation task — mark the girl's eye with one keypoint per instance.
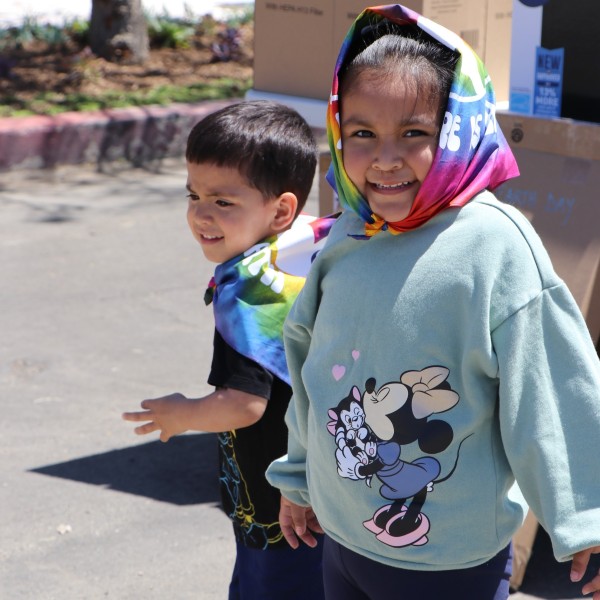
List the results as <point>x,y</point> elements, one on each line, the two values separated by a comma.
<point>192,197</point>
<point>414,133</point>
<point>223,203</point>
<point>363,133</point>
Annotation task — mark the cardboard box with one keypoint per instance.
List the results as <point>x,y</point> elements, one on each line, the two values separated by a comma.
<point>559,160</point>
<point>328,203</point>
<point>465,17</point>
<point>557,25</point>
<point>497,43</point>
<point>296,43</point>
<point>293,46</point>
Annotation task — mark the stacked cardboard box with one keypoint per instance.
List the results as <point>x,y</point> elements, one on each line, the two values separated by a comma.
<point>296,42</point>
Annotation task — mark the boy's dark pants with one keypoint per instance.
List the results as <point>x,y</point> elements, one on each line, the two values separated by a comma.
<point>278,574</point>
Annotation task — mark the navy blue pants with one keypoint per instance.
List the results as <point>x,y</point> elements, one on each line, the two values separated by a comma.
<point>351,576</point>
<point>278,574</point>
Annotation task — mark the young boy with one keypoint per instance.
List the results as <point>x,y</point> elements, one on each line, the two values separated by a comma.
<point>250,170</point>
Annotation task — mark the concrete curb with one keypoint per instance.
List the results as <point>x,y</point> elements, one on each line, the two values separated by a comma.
<point>137,135</point>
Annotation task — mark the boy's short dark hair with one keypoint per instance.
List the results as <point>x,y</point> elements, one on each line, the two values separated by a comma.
<point>270,144</point>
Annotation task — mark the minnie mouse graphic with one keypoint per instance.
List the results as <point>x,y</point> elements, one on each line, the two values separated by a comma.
<point>398,414</point>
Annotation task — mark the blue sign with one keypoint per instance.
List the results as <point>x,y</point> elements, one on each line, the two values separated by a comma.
<point>548,82</point>
<point>520,102</point>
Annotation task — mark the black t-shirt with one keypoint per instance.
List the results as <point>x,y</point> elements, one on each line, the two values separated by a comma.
<point>244,454</point>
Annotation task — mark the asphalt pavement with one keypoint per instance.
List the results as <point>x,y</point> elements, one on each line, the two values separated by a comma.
<point>101,307</point>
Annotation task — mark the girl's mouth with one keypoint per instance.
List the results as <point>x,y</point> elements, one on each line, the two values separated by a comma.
<point>381,187</point>
<point>210,238</point>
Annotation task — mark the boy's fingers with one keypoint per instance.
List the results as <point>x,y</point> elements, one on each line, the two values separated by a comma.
<point>136,416</point>
<point>147,428</point>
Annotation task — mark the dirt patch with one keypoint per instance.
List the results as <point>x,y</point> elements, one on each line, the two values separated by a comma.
<point>72,69</point>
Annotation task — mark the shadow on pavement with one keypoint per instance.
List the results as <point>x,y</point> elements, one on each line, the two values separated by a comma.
<point>183,471</point>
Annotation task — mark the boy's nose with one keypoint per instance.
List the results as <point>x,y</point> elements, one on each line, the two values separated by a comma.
<point>200,214</point>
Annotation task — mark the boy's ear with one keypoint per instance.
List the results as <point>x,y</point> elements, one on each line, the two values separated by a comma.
<point>287,204</point>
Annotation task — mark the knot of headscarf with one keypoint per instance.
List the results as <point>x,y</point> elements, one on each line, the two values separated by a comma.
<point>475,156</point>
<point>376,226</point>
<point>252,293</point>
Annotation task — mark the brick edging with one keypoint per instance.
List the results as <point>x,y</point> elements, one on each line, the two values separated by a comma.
<point>138,135</point>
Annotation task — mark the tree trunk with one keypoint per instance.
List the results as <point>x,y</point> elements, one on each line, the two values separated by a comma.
<point>118,31</point>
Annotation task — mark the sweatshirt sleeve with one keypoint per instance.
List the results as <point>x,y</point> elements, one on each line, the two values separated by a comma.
<point>289,472</point>
<point>550,415</point>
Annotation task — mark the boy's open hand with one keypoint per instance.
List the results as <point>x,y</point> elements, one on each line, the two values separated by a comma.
<point>578,567</point>
<point>298,522</point>
<point>167,415</point>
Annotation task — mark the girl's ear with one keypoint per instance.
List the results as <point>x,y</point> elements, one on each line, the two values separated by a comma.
<point>285,213</point>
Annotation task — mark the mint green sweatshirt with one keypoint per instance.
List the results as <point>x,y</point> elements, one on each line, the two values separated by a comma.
<point>432,369</point>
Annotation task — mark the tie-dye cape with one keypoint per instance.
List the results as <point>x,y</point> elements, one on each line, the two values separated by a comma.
<point>472,154</point>
<point>253,293</point>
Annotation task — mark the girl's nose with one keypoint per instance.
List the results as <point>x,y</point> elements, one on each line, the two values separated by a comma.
<point>388,156</point>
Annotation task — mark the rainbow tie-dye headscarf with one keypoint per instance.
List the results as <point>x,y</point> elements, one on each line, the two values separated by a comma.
<point>472,154</point>
<point>253,293</point>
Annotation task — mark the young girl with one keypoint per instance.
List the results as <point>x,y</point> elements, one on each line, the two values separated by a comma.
<point>435,355</point>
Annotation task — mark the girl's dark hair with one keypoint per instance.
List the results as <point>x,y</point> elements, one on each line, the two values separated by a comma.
<point>270,144</point>
<point>392,49</point>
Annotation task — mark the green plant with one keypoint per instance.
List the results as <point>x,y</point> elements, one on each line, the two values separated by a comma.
<point>79,31</point>
<point>166,32</point>
<point>15,37</point>
<point>207,25</point>
<point>240,16</point>
<point>54,36</point>
<point>50,103</point>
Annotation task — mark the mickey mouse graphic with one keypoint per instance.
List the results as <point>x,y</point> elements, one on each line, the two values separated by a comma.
<point>398,413</point>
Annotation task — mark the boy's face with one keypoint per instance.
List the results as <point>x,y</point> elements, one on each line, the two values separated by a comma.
<point>389,140</point>
<point>225,214</point>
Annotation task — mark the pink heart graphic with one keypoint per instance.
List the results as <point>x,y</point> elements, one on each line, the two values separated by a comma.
<point>338,371</point>
<point>355,354</point>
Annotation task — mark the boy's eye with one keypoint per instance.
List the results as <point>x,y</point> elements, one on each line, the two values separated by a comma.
<point>192,197</point>
<point>222,202</point>
<point>363,133</point>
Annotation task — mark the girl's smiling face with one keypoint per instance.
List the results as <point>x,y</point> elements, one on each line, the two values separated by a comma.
<point>389,140</point>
